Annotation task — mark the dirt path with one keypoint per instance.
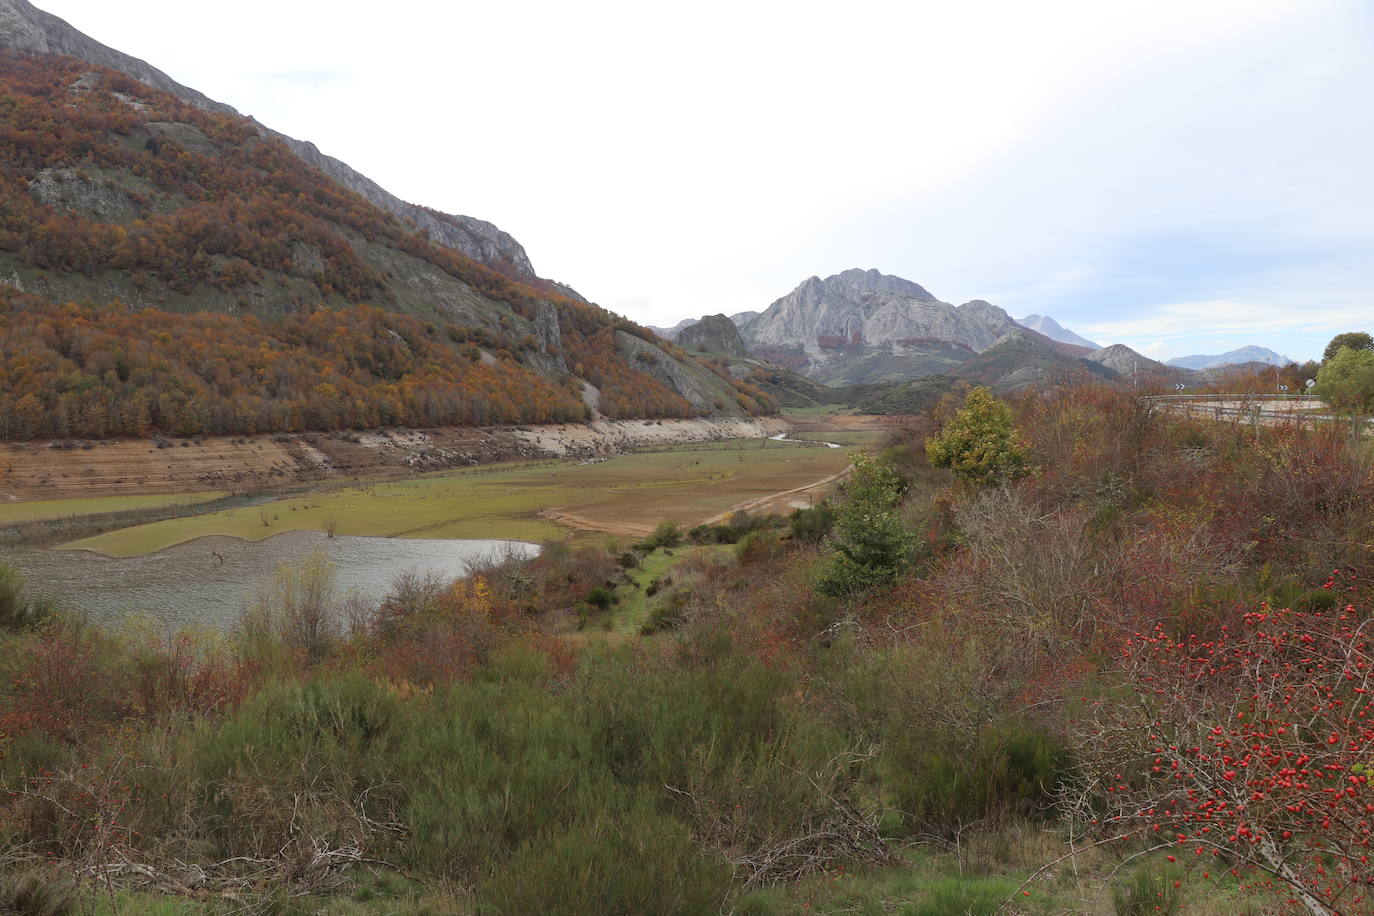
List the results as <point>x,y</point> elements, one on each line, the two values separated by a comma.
<point>780,503</point>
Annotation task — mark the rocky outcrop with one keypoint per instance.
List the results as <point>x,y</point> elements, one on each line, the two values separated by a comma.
<point>713,334</point>
<point>702,388</point>
<point>67,189</point>
<point>548,360</point>
<point>24,27</point>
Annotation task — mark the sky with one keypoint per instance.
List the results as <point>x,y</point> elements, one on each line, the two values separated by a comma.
<point>1181,177</point>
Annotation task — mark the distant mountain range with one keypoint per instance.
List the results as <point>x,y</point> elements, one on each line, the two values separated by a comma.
<point>1233,358</point>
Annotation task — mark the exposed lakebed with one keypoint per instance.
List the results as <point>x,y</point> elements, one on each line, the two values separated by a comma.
<point>208,581</point>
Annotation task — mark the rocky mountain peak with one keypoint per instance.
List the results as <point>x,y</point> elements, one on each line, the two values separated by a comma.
<point>871,322</point>
<point>1052,329</point>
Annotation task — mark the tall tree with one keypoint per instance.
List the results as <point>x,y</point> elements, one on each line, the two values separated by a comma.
<point>1355,340</point>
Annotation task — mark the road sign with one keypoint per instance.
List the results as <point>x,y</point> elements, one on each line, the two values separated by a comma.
<point>1310,382</point>
<point>1283,388</point>
<point>1180,387</point>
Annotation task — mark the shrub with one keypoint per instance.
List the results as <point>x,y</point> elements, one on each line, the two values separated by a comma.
<point>300,612</point>
<point>600,598</point>
<point>759,547</point>
<point>34,894</point>
<point>667,534</point>
<point>666,613</point>
<point>1149,891</point>
<point>944,781</point>
<point>641,862</point>
<point>17,610</point>
<point>813,525</point>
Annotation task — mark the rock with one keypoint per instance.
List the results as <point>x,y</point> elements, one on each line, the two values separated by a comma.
<point>68,189</point>
<point>713,334</point>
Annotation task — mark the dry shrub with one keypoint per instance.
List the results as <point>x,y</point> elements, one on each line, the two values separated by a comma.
<point>299,619</point>
<point>428,632</point>
<point>184,671</point>
<point>67,680</point>
<point>1059,585</point>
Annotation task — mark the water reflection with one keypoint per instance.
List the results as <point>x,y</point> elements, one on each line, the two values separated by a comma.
<point>207,582</point>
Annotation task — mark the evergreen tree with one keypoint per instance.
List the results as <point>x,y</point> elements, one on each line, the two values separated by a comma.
<point>871,547</point>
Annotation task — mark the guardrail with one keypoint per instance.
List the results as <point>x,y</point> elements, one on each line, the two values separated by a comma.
<point>1229,397</point>
<point>1196,403</point>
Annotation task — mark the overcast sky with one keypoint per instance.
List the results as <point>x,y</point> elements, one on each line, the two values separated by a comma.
<point>1182,177</point>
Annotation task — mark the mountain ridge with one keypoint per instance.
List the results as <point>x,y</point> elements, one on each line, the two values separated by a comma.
<point>25,27</point>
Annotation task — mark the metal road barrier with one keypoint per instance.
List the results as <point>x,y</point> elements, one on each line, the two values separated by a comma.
<point>1192,404</point>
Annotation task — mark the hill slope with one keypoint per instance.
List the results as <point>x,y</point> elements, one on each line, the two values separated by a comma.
<point>24,27</point>
<point>114,194</point>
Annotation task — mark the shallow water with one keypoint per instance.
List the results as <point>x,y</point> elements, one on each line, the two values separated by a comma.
<point>784,437</point>
<point>208,581</point>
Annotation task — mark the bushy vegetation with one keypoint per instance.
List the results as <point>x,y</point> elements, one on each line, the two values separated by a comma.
<point>1136,653</point>
<point>1346,380</point>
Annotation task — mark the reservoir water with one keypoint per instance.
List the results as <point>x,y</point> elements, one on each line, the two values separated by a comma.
<point>208,581</point>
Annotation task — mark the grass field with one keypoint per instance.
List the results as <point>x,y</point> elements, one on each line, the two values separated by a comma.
<point>627,495</point>
<point>41,510</point>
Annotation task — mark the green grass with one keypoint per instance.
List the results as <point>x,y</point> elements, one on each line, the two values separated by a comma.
<point>633,609</point>
<point>641,490</point>
<point>41,510</point>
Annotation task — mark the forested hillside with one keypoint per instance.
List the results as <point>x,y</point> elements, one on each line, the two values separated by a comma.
<point>147,210</point>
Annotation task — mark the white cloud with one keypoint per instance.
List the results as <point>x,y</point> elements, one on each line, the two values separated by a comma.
<point>1228,325</point>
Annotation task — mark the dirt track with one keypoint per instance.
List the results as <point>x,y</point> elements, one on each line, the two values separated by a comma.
<point>61,470</point>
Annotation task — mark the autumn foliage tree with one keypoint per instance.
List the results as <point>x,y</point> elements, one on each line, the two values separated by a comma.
<point>980,443</point>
